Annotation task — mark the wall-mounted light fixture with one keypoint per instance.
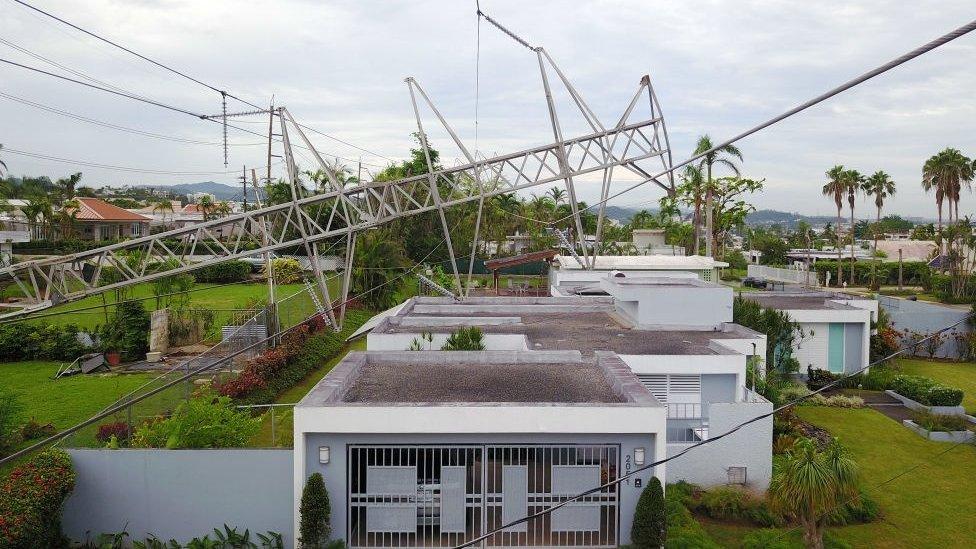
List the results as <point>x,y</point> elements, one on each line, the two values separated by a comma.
<point>323,454</point>
<point>638,456</point>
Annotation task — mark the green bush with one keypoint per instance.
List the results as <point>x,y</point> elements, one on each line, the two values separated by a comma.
<point>128,331</point>
<point>944,396</point>
<point>286,270</point>
<point>465,339</point>
<point>314,528</point>
<point>940,422</point>
<point>650,528</point>
<point>762,515</point>
<point>26,341</point>
<point>818,378</point>
<point>913,387</point>
<point>205,421</point>
<point>229,271</point>
<point>31,500</point>
<point>860,511</point>
<point>727,503</point>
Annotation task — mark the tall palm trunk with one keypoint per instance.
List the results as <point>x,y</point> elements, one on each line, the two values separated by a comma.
<point>875,285</point>
<point>709,227</point>
<point>852,244</point>
<point>697,223</point>
<point>840,258</point>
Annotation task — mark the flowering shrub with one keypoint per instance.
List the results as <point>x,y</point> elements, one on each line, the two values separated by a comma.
<point>31,499</point>
<point>119,428</point>
<point>301,351</point>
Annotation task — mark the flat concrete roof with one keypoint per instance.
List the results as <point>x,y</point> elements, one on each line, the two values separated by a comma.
<point>643,262</point>
<point>798,302</point>
<point>587,329</point>
<point>440,378</point>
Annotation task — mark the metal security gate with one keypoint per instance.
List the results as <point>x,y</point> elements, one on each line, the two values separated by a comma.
<point>441,496</point>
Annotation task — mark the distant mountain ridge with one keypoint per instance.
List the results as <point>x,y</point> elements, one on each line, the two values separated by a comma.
<point>220,191</point>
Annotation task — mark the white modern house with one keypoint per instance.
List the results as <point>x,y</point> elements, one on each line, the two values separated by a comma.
<point>432,449</point>
<point>836,327</point>
<point>567,274</point>
<point>676,334</point>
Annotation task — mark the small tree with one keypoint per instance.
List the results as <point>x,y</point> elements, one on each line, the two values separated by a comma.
<point>650,527</point>
<point>314,528</point>
<point>465,339</point>
<point>811,483</point>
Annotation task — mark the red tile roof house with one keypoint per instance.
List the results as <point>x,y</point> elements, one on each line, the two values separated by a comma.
<point>99,220</point>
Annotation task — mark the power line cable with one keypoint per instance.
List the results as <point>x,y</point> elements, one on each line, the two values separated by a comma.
<point>925,48</point>
<point>223,92</point>
<point>710,440</point>
<point>102,123</point>
<point>139,55</point>
<point>117,168</point>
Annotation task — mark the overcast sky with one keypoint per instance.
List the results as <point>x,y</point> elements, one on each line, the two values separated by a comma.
<point>718,68</point>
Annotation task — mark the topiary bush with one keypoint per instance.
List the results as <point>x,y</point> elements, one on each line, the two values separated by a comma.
<point>913,387</point>
<point>31,500</point>
<point>315,510</point>
<point>944,396</point>
<point>650,527</point>
<point>229,271</point>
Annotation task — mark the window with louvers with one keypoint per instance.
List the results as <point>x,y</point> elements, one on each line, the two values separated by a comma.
<point>676,387</point>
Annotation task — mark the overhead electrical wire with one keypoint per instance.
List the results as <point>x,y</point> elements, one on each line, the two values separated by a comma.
<point>925,48</point>
<point>712,439</point>
<point>102,123</point>
<point>118,168</point>
<point>182,74</point>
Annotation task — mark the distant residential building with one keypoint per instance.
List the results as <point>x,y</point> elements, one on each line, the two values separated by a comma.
<point>196,197</point>
<point>911,250</point>
<point>566,275</point>
<point>99,220</point>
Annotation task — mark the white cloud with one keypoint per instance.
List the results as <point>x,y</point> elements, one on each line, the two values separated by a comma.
<point>718,68</point>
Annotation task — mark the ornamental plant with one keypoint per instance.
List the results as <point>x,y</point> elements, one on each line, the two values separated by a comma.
<point>314,528</point>
<point>31,500</point>
<point>650,527</point>
<point>205,421</point>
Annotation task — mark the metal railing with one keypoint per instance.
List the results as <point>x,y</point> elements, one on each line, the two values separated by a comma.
<point>687,410</point>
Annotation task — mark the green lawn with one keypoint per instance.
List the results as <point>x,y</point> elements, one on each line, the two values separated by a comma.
<point>283,415</point>
<point>211,296</point>
<point>928,506</point>
<point>931,506</point>
<point>961,375</point>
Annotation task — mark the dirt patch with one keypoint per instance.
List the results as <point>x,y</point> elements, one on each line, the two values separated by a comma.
<point>820,437</point>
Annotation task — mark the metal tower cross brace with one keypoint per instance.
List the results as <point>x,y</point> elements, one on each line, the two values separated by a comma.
<point>338,213</point>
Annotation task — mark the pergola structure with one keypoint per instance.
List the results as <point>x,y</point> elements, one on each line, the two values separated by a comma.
<point>495,265</point>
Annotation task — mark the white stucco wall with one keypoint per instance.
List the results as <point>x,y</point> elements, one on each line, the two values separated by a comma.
<point>751,447</point>
<point>689,364</point>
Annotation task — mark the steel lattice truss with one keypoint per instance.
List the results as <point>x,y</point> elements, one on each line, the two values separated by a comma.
<point>341,211</point>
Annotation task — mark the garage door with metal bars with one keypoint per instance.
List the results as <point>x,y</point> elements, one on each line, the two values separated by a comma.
<point>441,496</point>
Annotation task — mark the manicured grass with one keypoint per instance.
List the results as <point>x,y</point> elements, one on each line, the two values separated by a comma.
<point>69,400</point>
<point>961,375</point>
<point>283,415</point>
<point>929,506</point>
<point>211,296</point>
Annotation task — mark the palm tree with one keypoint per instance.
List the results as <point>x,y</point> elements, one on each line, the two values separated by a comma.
<point>67,217</point>
<point>66,185</point>
<point>708,161</point>
<point>945,172</point>
<point>809,484</point>
<point>880,186</point>
<point>692,188</point>
<point>835,189</point>
<point>36,207</point>
<point>853,182</point>
<point>206,205</point>
<point>557,194</point>
<point>222,209</point>
<point>163,206</point>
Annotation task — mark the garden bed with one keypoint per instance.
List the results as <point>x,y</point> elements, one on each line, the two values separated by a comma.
<point>914,405</point>
<point>939,436</point>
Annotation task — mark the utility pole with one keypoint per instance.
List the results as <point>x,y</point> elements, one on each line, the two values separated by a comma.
<point>244,185</point>
<point>270,136</point>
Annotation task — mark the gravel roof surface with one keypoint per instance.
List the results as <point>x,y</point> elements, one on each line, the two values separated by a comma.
<point>589,332</point>
<point>441,383</point>
<point>785,303</point>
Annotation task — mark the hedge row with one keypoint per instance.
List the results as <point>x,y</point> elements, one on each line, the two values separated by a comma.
<point>914,273</point>
<point>302,351</point>
<point>230,271</point>
<point>926,391</point>
<point>31,499</point>
<point>24,341</point>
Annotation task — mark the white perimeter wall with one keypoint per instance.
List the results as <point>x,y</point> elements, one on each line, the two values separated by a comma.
<point>751,447</point>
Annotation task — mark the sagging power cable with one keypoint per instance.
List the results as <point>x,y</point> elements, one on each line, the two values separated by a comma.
<point>710,440</point>
<point>925,48</point>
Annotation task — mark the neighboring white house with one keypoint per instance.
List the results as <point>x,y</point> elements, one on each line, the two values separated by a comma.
<point>836,327</point>
<point>652,242</point>
<point>567,275</point>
